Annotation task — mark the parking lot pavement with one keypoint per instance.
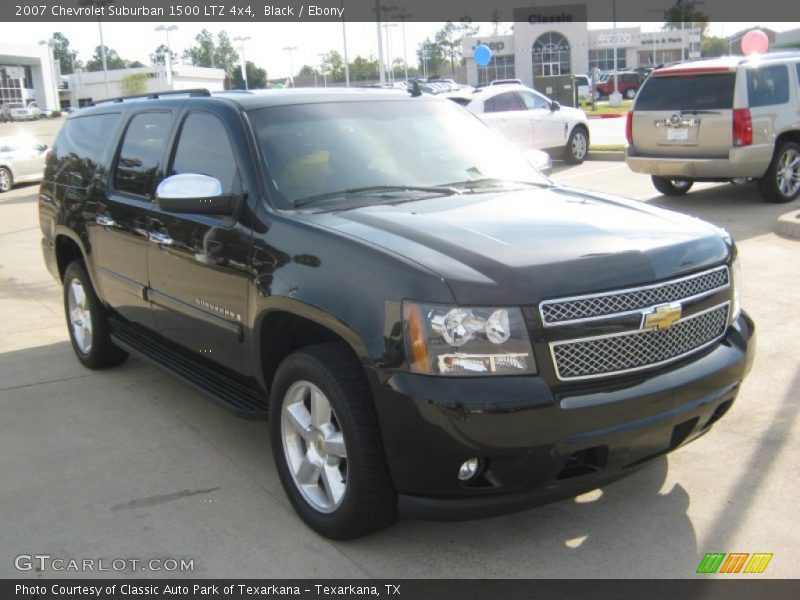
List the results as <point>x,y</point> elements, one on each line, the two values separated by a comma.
<point>607,131</point>
<point>131,463</point>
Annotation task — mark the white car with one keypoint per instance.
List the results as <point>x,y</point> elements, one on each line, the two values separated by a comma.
<point>16,111</point>
<point>21,160</point>
<point>529,119</point>
<point>36,112</point>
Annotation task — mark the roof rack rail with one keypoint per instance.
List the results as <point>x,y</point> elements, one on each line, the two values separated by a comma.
<point>771,55</point>
<point>156,95</point>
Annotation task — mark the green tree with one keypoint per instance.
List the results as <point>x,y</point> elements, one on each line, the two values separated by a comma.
<point>65,56</point>
<point>449,39</point>
<point>333,65</point>
<point>256,77</point>
<point>159,56</point>
<point>363,69</point>
<point>113,60</point>
<point>202,53</point>
<point>225,56</point>
<point>684,13</point>
<point>134,83</point>
<point>714,46</point>
<point>435,56</point>
<point>306,71</point>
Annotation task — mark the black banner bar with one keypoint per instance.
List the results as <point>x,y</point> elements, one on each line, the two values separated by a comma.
<point>735,588</point>
<point>533,11</point>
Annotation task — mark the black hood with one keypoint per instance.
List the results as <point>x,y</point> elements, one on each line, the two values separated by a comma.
<point>522,247</point>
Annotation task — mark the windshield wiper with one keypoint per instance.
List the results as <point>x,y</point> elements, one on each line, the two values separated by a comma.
<point>439,189</point>
<point>494,183</point>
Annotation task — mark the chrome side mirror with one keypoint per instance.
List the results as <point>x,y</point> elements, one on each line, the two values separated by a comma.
<point>195,193</point>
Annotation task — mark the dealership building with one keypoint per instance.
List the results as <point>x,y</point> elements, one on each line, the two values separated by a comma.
<point>553,49</point>
<point>27,74</point>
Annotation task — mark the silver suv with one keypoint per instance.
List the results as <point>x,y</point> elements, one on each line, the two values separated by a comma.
<point>725,119</point>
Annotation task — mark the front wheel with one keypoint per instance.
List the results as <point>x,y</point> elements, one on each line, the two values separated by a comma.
<point>577,146</point>
<point>5,180</point>
<point>672,187</point>
<point>781,182</point>
<point>89,329</point>
<point>327,445</point>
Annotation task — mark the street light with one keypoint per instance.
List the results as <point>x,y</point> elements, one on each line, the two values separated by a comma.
<point>402,18</point>
<point>242,40</point>
<point>49,44</point>
<point>389,61</point>
<point>290,50</point>
<point>102,4</point>
<point>385,10</point>
<point>168,60</point>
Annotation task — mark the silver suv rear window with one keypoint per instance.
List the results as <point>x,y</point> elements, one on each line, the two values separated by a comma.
<point>687,92</point>
<point>767,86</point>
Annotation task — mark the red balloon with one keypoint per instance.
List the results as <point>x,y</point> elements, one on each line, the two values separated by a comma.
<point>755,42</point>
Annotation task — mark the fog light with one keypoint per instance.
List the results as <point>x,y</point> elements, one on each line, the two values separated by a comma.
<point>469,469</point>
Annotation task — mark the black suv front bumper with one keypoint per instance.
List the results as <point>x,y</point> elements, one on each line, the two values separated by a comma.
<point>539,444</point>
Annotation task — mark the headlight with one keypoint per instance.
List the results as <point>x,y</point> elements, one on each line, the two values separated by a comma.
<point>736,277</point>
<point>457,340</point>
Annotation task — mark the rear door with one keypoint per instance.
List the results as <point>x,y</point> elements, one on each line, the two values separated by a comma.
<point>199,268</point>
<point>507,114</point>
<point>689,113</point>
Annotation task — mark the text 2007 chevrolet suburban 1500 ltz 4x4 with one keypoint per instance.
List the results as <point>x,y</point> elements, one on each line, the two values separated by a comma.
<point>430,326</point>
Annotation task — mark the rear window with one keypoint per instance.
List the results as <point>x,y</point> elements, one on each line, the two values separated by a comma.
<point>86,138</point>
<point>687,92</point>
<point>767,86</point>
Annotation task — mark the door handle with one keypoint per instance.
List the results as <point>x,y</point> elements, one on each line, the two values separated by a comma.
<point>105,221</point>
<point>162,239</point>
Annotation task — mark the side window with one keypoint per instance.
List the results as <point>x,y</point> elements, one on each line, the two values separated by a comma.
<point>768,85</point>
<point>141,153</point>
<point>533,101</point>
<point>797,65</point>
<point>79,146</point>
<point>503,103</point>
<point>204,148</point>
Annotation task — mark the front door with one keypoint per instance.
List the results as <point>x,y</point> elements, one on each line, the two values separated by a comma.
<point>507,114</point>
<point>119,235</point>
<point>547,124</point>
<point>198,263</point>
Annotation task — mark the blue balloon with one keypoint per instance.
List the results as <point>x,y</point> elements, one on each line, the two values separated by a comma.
<point>482,55</point>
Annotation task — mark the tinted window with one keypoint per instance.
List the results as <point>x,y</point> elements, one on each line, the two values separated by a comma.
<point>503,103</point>
<point>204,148</point>
<point>141,153</point>
<point>79,146</point>
<point>687,92</point>
<point>767,85</point>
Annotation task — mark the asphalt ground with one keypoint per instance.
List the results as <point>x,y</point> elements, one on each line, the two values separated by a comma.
<point>130,463</point>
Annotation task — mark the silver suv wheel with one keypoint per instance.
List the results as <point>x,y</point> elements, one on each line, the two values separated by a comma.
<point>314,446</point>
<point>788,172</point>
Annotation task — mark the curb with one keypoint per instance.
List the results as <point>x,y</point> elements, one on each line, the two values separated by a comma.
<point>607,116</point>
<point>611,155</point>
<point>789,225</point>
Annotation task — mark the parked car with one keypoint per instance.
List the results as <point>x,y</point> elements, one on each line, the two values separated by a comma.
<point>628,84</point>
<point>429,324</point>
<point>584,87</point>
<point>506,82</point>
<point>529,119</point>
<point>17,111</point>
<point>21,161</point>
<point>720,120</point>
<point>36,112</point>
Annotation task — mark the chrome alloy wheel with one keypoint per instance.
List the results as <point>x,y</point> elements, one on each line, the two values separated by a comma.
<point>80,317</point>
<point>314,447</point>
<point>5,180</point>
<point>579,145</point>
<point>788,173</point>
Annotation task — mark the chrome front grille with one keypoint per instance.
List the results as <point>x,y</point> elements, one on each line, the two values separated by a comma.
<point>615,354</point>
<point>596,306</point>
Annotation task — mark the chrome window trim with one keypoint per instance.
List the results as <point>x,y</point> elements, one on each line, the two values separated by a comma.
<point>553,345</point>
<point>705,294</point>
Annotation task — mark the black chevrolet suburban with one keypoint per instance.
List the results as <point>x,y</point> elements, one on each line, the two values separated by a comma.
<point>430,326</point>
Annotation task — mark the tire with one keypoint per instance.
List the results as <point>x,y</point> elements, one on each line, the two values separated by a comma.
<point>6,181</point>
<point>630,93</point>
<point>347,437</point>
<point>672,187</point>
<point>577,146</point>
<point>92,344</point>
<point>781,182</point>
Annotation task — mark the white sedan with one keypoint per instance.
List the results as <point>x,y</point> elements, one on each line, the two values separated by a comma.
<point>530,120</point>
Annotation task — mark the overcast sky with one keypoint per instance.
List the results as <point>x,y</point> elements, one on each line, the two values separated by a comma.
<point>136,41</point>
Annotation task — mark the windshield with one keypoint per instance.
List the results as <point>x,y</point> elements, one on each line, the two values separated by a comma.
<point>321,151</point>
<point>16,106</point>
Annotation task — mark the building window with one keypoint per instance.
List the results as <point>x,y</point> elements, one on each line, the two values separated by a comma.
<point>604,59</point>
<point>551,55</point>
<point>501,67</point>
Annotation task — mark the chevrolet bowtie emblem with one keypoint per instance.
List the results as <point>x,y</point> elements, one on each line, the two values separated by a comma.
<point>662,316</point>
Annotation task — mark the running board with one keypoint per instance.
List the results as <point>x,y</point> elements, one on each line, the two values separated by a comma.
<point>240,399</point>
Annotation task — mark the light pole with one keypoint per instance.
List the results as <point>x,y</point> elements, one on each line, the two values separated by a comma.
<point>381,72</point>
<point>168,58</point>
<point>322,69</point>
<point>402,18</point>
<point>290,50</point>
<point>243,62</point>
<point>389,62</point>
<point>49,44</point>
<point>103,4</point>
<point>344,43</point>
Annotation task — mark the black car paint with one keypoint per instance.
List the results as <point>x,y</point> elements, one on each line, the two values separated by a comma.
<point>349,271</point>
